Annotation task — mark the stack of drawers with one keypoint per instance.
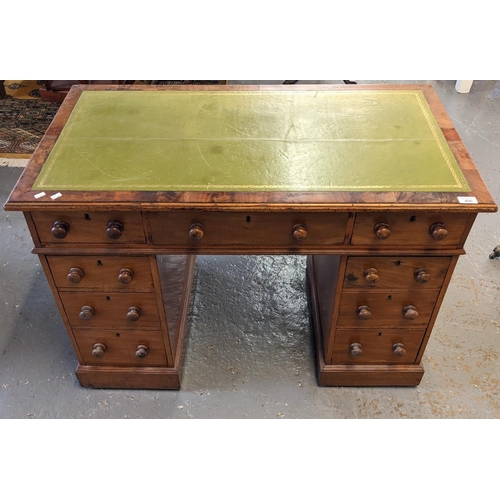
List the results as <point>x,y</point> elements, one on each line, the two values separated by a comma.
<point>113,301</point>
<point>112,309</point>
<point>385,308</point>
<point>374,307</point>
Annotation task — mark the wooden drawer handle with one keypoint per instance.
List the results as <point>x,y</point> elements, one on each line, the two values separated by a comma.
<point>438,231</point>
<point>382,230</point>
<point>87,313</point>
<point>196,231</point>
<point>364,312</point>
<point>75,275</point>
<point>60,229</point>
<point>410,312</point>
<point>399,349</point>
<point>299,232</point>
<point>422,275</point>
<point>133,313</point>
<point>125,276</point>
<point>371,275</point>
<point>114,230</point>
<point>142,351</point>
<point>99,350</point>
<point>356,349</point>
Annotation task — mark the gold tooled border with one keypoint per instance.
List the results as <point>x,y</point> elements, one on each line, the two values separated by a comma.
<point>460,186</point>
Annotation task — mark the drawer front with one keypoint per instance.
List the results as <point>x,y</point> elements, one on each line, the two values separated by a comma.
<point>101,272</point>
<point>427,230</point>
<point>386,309</point>
<point>408,273</point>
<point>121,347</point>
<point>244,229</point>
<point>111,310</point>
<point>391,346</point>
<point>89,227</point>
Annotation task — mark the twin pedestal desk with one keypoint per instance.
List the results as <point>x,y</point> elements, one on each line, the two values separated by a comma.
<point>130,183</point>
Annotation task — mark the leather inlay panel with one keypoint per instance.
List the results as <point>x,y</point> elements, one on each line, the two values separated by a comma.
<point>363,140</point>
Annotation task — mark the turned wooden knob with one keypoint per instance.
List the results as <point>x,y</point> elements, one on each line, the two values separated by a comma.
<point>125,276</point>
<point>399,349</point>
<point>363,312</point>
<point>371,275</point>
<point>142,351</point>
<point>196,231</point>
<point>422,275</point>
<point>356,349</point>
<point>438,231</point>
<point>60,229</point>
<point>299,232</point>
<point>114,230</point>
<point>75,275</point>
<point>410,312</point>
<point>99,350</point>
<point>133,313</point>
<point>382,230</point>
<point>87,313</point>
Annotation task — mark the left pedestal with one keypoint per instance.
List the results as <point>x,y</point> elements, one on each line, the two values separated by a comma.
<point>125,312</point>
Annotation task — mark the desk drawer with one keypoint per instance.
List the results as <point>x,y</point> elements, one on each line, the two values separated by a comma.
<point>425,230</point>
<point>121,347</point>
<point>101,272</point>
<point>408,273</point>
<point>398,309</point>
<point>111,310</point>
<point>377,346</point>
<point>246,229</point>
<point>89,227</point>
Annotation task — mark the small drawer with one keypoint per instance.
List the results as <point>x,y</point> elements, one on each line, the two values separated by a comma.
<point>359,347</point>
<point>425,230</point>
<point>121,347</point>
<point>246,229</point>
<point>111,310</point>
<point>408,273</point>
<point>101,272</point>
<point>89,227</point>
<point>398,309</point>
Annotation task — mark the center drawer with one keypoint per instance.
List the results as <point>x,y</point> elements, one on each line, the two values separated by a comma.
<point>192,229</point>
<point>111,310</point>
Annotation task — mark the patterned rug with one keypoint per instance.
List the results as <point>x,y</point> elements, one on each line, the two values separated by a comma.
<point>23,89</point>
<point>22,125</point>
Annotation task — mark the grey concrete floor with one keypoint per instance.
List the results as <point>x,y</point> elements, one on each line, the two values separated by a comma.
<point>250,352</point>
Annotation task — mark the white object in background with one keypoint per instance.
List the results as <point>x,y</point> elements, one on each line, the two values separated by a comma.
<point>463,86</point>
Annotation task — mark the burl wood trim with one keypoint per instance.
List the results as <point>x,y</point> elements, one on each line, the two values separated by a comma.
<point>22,196</point>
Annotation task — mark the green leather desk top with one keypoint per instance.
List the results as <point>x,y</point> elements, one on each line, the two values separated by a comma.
<point>360,140</point>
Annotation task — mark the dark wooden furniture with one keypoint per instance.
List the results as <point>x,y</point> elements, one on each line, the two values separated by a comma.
<point>118,245</point>
<point>57,90</point>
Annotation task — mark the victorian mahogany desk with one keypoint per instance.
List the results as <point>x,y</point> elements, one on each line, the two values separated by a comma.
<point>129,183</point>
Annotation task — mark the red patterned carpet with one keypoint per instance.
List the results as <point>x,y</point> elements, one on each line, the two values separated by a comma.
<point>24,118</point>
